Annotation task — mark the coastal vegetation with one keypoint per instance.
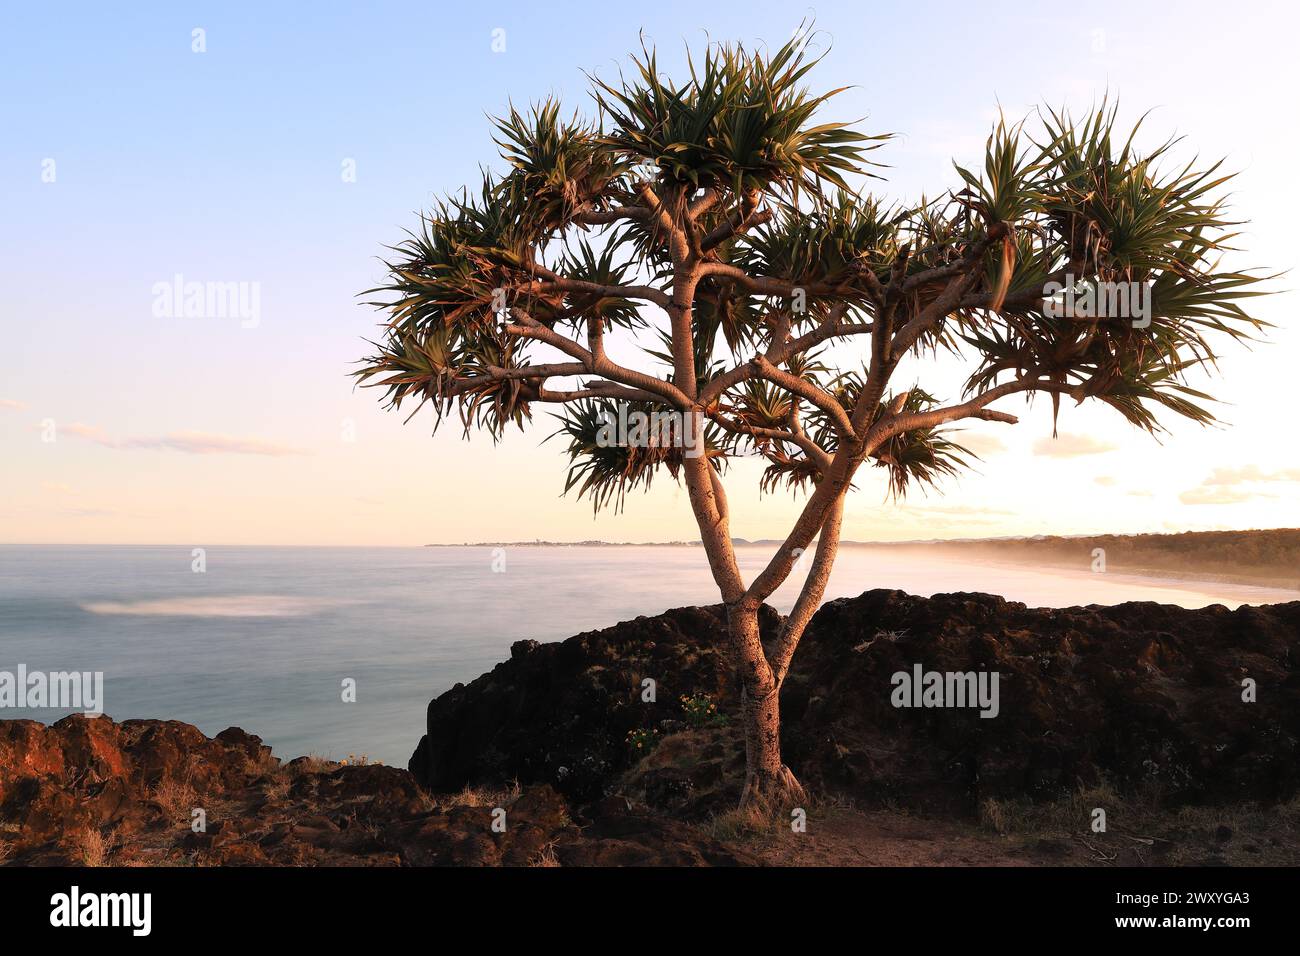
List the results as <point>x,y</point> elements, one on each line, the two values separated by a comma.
<point>788,313</point>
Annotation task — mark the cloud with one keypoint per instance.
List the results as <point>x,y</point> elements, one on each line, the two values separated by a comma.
<point>13,404</point>
<point>1249,473</point>
<point>1106,481</point>
<point>88,432</point>
<point>1206,495</point>
<point>204,443</point>
<point>1072,446</point>
<point>960,510</point>
<point>1224,486</point>
<point>58,487</point>
<point>983,445</point>
<point>187,442</point>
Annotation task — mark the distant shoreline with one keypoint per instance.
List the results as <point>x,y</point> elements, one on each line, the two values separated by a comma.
<point>1262,557</point>
<point>1037,540</point>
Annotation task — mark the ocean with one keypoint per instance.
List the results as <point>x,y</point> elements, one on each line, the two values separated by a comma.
<point>264,638</point>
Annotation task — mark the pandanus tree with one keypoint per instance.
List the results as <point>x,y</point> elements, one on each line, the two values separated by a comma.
<point>725,227</point>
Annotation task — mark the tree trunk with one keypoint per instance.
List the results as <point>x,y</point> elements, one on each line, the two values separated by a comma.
<point>768,782</point>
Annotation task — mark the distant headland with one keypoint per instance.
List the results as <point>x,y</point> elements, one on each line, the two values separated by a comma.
<point>1258,556</point>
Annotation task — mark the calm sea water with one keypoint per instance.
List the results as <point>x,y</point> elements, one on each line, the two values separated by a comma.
<point>265,636</point>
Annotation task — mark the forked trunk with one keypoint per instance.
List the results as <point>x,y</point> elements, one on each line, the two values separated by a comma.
<point>768,782</point>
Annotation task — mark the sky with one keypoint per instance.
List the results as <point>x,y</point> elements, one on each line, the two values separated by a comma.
<point>283,146</point>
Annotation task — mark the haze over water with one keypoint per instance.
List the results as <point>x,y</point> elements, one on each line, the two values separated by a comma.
<point>263,639</point>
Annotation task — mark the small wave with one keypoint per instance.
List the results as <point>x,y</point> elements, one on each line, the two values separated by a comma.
<point>236,605</point>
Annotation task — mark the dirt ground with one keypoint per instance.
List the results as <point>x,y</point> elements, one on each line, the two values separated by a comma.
<point>845,836</point>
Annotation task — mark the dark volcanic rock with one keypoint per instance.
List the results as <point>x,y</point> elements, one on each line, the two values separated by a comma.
<point>92,791</point>
<point>560,713</point>
<point>86,772</point>
<point>1142,693</point>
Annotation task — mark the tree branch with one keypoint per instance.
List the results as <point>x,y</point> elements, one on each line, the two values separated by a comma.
<point>805,389</point>
<point>604,217</point>
<point>967,272</point>
<point>805,444</point>
<point>735,224</point>
<point>810,595</point>
<point>559,283</point>
<point>893,425</point>
<point>528,327</point>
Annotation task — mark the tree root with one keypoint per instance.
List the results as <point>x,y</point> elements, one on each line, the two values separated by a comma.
<point>771,793</point>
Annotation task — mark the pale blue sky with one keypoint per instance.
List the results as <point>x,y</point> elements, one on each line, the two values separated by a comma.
<point>226,166</point>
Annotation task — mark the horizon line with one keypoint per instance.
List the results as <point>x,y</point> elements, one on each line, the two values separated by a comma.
<point>600,542</point>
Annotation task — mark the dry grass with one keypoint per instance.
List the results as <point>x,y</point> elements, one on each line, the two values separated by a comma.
<point>768,817</point>
<point>545,857</point>
<point>278,788</point>
<point>995,815</point>
<point>6,851</point>
<point>747,822</point>
<point>1141,829</point>
<point>1072,814</point>
<point>892,637</point>
<point>263,765</point>
<point>480,797</point>
<point>90,846</point>
<point>314,763</point>
<point>177,797</point>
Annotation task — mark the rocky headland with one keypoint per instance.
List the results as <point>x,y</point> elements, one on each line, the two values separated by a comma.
<point>619,746</point>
